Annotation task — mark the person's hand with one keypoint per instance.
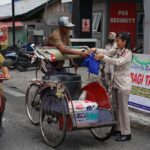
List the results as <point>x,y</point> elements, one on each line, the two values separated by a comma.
<point>84,53</point>
<point>93,50</point>
<point>99,56</point>
<point>8,76</point>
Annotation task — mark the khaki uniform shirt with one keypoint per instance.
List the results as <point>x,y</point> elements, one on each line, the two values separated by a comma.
<point>56,39</point>
<point>121,79</point>
<point>109,68</point>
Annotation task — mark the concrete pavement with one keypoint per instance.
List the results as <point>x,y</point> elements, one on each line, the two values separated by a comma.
<point>21,135</point>
<point>21,80</point>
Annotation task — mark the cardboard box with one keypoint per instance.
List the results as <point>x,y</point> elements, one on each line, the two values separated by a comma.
<point>85,118</point>
<point>82,105</point>
<point>84,113</point>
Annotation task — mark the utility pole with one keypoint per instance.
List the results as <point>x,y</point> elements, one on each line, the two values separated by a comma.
<point>13,24</point>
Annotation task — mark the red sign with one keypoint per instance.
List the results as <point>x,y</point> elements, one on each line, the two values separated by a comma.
<point>85,25</point>
<point>123,18</point>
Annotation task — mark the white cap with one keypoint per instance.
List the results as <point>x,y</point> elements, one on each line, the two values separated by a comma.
<point>65,21</point>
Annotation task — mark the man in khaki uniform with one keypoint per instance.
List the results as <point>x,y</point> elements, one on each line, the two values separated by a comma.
<point>4,71</point>
<point>60,39</point>
<point>121,82</point>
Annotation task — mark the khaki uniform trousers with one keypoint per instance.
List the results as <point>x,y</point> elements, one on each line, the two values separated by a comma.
<point>120,101</point>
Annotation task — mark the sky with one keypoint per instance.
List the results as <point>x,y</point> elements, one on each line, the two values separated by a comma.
<point>2,2</point>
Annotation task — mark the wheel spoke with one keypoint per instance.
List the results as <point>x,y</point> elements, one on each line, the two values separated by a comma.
<point>102,133</point>
<point>33,103</point>
<point>53,133</point>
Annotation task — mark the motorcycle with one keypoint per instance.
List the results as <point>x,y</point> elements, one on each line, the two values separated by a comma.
<point>11,54</point>
<point>20,56</point>
<point>138,50</point>
<point>24,60</point>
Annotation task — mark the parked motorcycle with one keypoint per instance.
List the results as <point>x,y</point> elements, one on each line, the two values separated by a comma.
<point>138,50</point>
<point>11,53</point>
<point>24,60</point>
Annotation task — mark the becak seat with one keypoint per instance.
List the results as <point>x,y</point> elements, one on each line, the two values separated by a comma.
<point>97,93</point>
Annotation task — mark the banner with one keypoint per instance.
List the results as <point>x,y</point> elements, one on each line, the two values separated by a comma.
<point>4,36</point>
<point>140,74</point>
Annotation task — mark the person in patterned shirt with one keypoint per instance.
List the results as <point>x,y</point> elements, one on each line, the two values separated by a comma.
<point>6,74</point>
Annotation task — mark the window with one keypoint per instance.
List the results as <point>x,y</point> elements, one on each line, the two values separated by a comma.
<point>140,5</point>
<point>97,21</point>
<point>31,26</point>
<point>140,21</point>
<point>140,28</point>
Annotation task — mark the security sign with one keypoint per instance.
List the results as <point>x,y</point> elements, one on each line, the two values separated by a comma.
<point>85,25</point>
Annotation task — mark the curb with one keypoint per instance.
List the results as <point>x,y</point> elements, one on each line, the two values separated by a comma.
<point>139,119</point>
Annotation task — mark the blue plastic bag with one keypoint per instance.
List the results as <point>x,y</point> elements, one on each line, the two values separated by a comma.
<point>92,64</point>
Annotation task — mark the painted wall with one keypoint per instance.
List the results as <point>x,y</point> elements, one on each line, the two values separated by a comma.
<point>21,35</point>
<point>147,27</point>
<point>53,12</point>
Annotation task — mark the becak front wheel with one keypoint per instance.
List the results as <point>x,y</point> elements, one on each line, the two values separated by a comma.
<point>52,121</point>
<point>32,103</point>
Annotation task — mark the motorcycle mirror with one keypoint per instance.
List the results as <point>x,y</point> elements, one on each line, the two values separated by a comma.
<point>33,45</point>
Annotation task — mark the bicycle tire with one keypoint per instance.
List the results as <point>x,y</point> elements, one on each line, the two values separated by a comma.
<point>51,117</point>
<point>97,132</point>
<point>33,104</point>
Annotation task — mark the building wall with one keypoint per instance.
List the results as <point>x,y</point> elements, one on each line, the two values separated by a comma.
<point>20,36</point>
<point>53,12</point>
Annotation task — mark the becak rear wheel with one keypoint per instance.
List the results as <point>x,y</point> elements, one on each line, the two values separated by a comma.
<point>102,133</point>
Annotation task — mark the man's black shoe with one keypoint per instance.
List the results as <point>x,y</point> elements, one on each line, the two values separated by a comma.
<point>123,138</point>
<point>116,133</point>
<point>2,131</point>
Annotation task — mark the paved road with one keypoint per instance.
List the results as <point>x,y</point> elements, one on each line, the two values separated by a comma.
<point>21,135</point>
